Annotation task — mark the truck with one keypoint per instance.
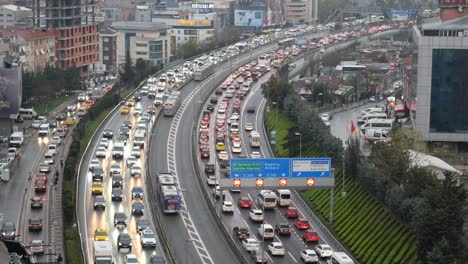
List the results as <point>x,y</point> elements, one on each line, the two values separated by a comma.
<point>16,139</point>
<point>171,105</point>
<point>103,252</point>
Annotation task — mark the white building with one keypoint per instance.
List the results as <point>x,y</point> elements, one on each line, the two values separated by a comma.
<point>11,15</point>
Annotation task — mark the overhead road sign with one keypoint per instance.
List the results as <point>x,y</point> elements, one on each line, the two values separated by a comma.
<point>311,168</point>
<point>260,168</point>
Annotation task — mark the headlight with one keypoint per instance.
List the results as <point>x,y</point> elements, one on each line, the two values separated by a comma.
<point>120,244</point>
<point>133,210</point>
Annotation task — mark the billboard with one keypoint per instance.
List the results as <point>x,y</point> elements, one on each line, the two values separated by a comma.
<point>252,3</point>
<point>202,5</point>
<point>10,92</point>
<point>248,18</point>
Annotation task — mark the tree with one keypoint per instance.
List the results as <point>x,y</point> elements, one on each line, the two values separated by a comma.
<point>229,35</point>
<point>276,90</point>
<point>128,76</point>
<point>189,49</point>
<point>141,70</point>
<point>353,155</point>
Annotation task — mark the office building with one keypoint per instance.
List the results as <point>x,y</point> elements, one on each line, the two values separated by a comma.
<point>13,15</point>
<point>108,47</point>
<point>442,95</point>
<point>300,11</point>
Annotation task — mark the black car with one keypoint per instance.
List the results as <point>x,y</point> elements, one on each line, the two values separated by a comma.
<point>137,208</point>
<point>98,174</point>
<point>156,260</point>
<point>219,91</point>
<point>36,202</point>
<point>137,98</point>
<point>8,231</point>
<point>35,224</point>
<point>60,116</point>
<point>108,133</point>
<point>127,123</point>
<point>283,229</point>
<point>214,100</point>
<point>124,241</point>
<point>120,219</point>
<point>52,123</point>
<point>241,232</point>
<point>116,194</point>
<point>142,224</point>
<point>209,168</point>
<point>117,181</point>
<point>125,131</point>
<point>137,192</point>
<point>210,108</point>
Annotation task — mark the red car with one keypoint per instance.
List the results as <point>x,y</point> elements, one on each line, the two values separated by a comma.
<point>151,110</point>
<point>251,109</point>
<point>245,202</point>
<point>291,212</point>
<point>301,223</point>
<point>41,177</point>
<point>40,186</point>
<point>205,153</point>
<point>311,236</point>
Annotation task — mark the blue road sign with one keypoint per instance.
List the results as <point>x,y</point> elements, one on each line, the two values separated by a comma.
<point>311,168</point>
<point>260,168</point>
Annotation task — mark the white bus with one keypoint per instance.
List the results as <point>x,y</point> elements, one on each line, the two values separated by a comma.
<point>267,199</point>
<point>284,197</point>
<point>254,139</point>
<point>339,258</point>
<point>203,72</point>
<point>264,60</point>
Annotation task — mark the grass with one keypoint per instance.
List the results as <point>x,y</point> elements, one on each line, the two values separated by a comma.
<point>126,92</point>
<point>45,108</point>
<point>90,128</point>
<point>361,223</point>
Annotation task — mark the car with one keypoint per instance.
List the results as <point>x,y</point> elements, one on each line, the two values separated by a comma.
<point>209,168</point>
<point>301,224</point>
<point>256,215</point>
<point>219,91</point>
<point>323,250</point>
<point>245,202</point>
<point>249,127</point>
<point>56,140</point>
<point>97,174</point>
<point>241,232</point>
<point>283,229</point>
<point>36,123</point>
<point>251,109</point>
<point>120,219</point>
<point>130,102</point>
<point>310,236</point>
<point>36,247</point>
<point>36,202</point>
<point>147,238</point>
<point>35,225</point>
<point>156,260</point>
<point>227,207</point>
<point>8,231</point>
<point>137,111</point>
<point>94,163</point>
<point>210,107</point>
<point>204,152</point>
<point>137,98</point>
<point>40,177</point>
<point>100,234</point>
<point>214,100</point>
<point>131,161</point>
<point>104,142</point>
<point>276,249</point>
<point>44,167</point>
<point>220,146</point>
<point>142,224</point>
<point>125,131</point>
<point>101,152</point>
<point>124,241</point>
<point>114,169</point>
<point>251,244</point>
<point>40,187</point>
<point>255,155</point>
<point>138,208</point>
<point>12,153</point>
<point>97,188</point>
<point>137,192</point>
<point>145,118</point>
<point>49,158</point>
<point>259,256</point>
<point>212,180</point>
<point>99,202</point>
<point>236,148</point>
<point>135,171</point>
<point>116,194</point>
<point>124,110</point>
<point>70,121</point>
<point>117,181</point>
<point>60,116</point>
<point>71,107</point>
<point>108,133</point>
<point>151,110</point>
<point>223,155</point>
<point>291,212</point>
<point>309,256</point>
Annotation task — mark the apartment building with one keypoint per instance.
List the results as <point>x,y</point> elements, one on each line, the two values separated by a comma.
<point>11,15</point>
<point>108,47</point>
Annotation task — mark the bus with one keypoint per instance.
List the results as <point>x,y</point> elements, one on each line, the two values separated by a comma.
<point>267,199</point>
<point>171,105</point>
<point>284,197</point>
<point>203,72</point>
<point>170,199</point>
<point>264,60</point>
<point>254,139</point>
<point>339,258</point>
<point>287,42</point>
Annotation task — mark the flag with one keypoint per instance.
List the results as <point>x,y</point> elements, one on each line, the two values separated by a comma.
<point>353,128</point>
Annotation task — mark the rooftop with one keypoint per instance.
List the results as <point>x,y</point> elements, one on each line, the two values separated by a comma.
<point>460,23</point>
<point>16,8</point>
<point>27,34</point>
<point>139,26</point>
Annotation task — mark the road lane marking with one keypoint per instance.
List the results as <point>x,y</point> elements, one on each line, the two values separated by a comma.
<point>289,253</point>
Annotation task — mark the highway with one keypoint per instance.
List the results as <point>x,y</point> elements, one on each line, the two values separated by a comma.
<point>200,241</point>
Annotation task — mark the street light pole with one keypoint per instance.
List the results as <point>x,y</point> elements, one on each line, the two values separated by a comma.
<point>276,115</point>
<point>186,249</point>
<point>300,143</point>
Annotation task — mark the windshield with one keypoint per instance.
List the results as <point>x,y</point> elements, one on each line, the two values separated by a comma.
<point>14,139</point>
<point>285,196</point>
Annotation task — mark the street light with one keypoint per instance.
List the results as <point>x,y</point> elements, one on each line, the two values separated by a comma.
<point>300,143</point>
<point>276,115</point>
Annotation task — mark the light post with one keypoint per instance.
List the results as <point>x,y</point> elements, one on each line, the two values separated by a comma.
<point>316,101</point>
<point>276,115</point>
<point>300,143</point>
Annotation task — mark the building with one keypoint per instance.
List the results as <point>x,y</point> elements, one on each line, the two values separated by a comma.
<point>108,47</point>
<point>249,15</point>
<point>34,48</point>
<point>13,15</point>
<point>300,11</point>
<point>11,84</point>
<point>76,32</point>
<point>146,40</point>
<point>143,13</point>
<point>441,79</point>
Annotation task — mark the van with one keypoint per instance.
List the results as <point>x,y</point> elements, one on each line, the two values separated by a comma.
<point>28,113</point>
<point>383,124</point>
<point>16,139</point>
<point>377,135</point>
<point>372,110</point>
<point>159,99</point>
<point>139,139</point>
<point>266,231</point>
<point>339,258</point>
<point>44,130</point>
<point>370,116</point>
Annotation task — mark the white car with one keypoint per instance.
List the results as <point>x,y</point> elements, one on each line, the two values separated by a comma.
<point>256,215</point>
<point>228,207</point>
<point>251,244</point>
<point>136,152</point>
<point>36,123</point>
<point>131,161</point>
<point>212,180</point>
<point>223,155</point>
<point>114,169</point>
<point>104,142</point>
<point>131,259</point>
<point>255,155</point>
<point>101,152</point>
<point>94,163</point>
<point>52,148</point>
<point>137,112</point>
<point>309,256</point>
<point>147,238</point>
<point>326,117</point>
<point>234,116</point>
<point>221,116</point>
<point>11,154</point>
<point>71,107</point>
<point>276,249</point>
<point>323,250</point>
<point>249,127</point>
<point>236,148</point>
<point>56,140</point>
<point>135,171</point>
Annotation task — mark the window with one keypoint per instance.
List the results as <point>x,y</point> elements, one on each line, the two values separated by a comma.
<point>105,57</point>
<point>9,15</point>
<point>105,39</point>
<point>106,48</point>
<point>178,31</point>
<point>190,32</point>
<point>155,49</point>
<point>141,53</point>
<point>143,45</point>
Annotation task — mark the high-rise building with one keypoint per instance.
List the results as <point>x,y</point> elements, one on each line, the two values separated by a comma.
<point>300,11</point>
<point>77,42</point>
<point>440,63</point>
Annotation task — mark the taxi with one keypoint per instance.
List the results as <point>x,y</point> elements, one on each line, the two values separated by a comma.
<point>101,235</point>
<point>124,110</point>
<point>70,121</point>
<point>220,146</point>
<point>97,188</point>
<point>130,102</point>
